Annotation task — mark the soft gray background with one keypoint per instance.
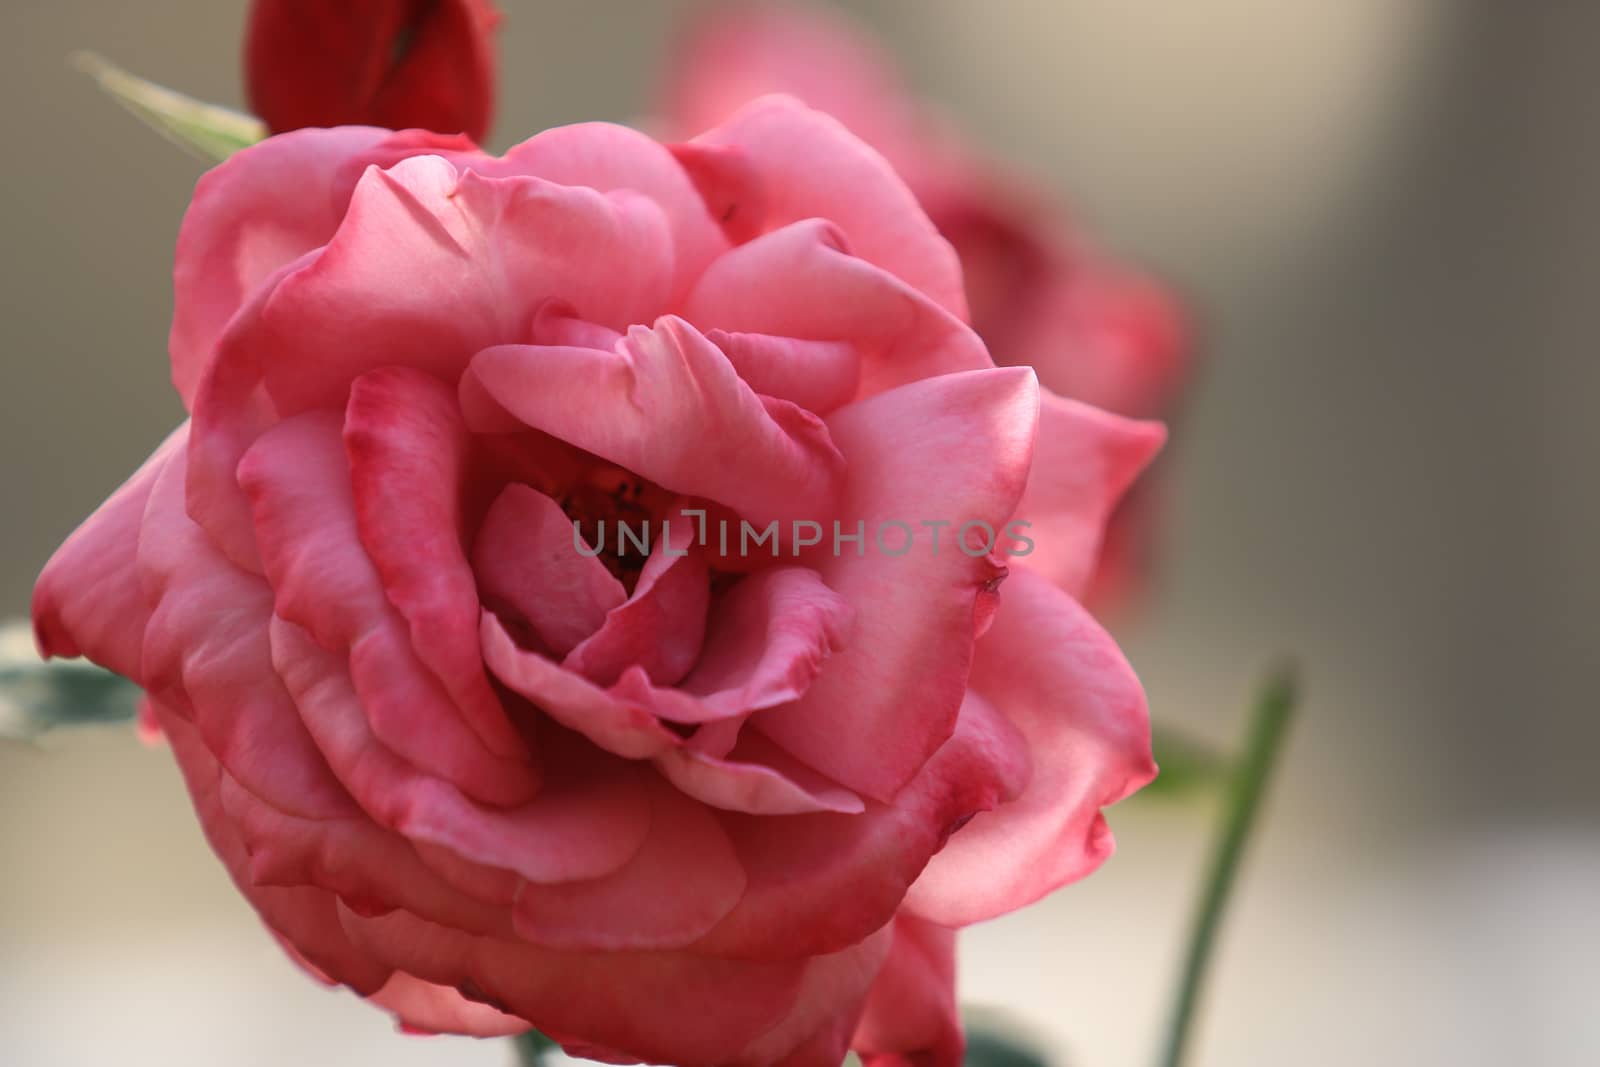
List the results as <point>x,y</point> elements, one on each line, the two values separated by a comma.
<point>1383,212</point>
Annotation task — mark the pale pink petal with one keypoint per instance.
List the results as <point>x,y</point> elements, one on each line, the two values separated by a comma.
<point>1085,459</point>
<point>1050,668</point>
<point>648,1006</point>
<point>322,578</point>
<point>667,405</point>
<point>953,449</point>
<point>588,819</point>
<point>661,626</point>
<point>618,725</point>
<point>409,454</point>
<point>846,182</point>
<point>88,600</point>
<point>801,281</point>
<point>537,574</point>
<point>683,880</point>
<point>911,1017</point>
<point>422,1007</point>
<point>263,208</point>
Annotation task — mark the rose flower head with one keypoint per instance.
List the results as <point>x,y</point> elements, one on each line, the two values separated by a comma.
<point>609,588</point>
<point>1040,293</point>
<point>424,64</point>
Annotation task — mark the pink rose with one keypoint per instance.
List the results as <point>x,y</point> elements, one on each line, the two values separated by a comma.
<point>698,806</point>
<point>1040,296</point>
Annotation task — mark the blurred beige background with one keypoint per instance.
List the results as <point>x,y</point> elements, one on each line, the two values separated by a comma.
<point>1384,213</point>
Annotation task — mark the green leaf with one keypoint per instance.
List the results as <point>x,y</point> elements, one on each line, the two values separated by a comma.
<point>38,697</point>
<point>1187,764</point>
<point>205,130</point>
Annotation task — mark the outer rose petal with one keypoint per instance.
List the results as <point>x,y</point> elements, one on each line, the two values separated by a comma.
<point>304,918</point>
<point>88,600</point>
<point>240,227</point>
<point>1084,461</point>
<point>648,1006</point>
<point>816,1032</point>
<point>683,880</point>
<point>952,449</point>
<point>819,883</point>
<point>423,1007</point>
<point>911,1016</point>
<point>1049,667</point>
<point>847,182</point>
<point>677,414</point>
<point>206,656</point>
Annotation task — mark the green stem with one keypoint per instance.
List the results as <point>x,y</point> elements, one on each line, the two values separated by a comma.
<point>1270,718</point>
<point>532,1048</point>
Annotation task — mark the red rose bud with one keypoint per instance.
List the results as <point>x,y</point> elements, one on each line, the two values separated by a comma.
<point>424,64</point>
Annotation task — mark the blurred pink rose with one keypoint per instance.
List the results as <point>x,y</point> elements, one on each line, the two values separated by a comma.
<point>1040,296</point>
<point>690,807</point>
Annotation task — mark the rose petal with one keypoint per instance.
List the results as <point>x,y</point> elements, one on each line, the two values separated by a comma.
<point>953,449</point>
<point>88,600</point>
<point>1050,668</point>
<point>607,158</point>
<point>535,573</point>
<point>661,626</point>
<point>820,883</point>
<point>435,1009</point>
<point>305,918</point>
<point>667,405</point>
<point>618,725</point>
<point>801,281</point>
<point>241,227</point>
<point>816,375</point>
<point>206,656</point>
<point>421,236</point>
<point>648,1006</point>
<point>587,820</point>
<point>911,1015</point>
<point>299,488</point>
<point>846,182</point>
<point>408,455</point>
<point>682,881</point>
<point>1084,461</point>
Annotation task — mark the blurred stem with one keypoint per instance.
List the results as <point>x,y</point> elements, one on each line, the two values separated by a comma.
<point>532,1048</point>
<point>1269,721</point>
